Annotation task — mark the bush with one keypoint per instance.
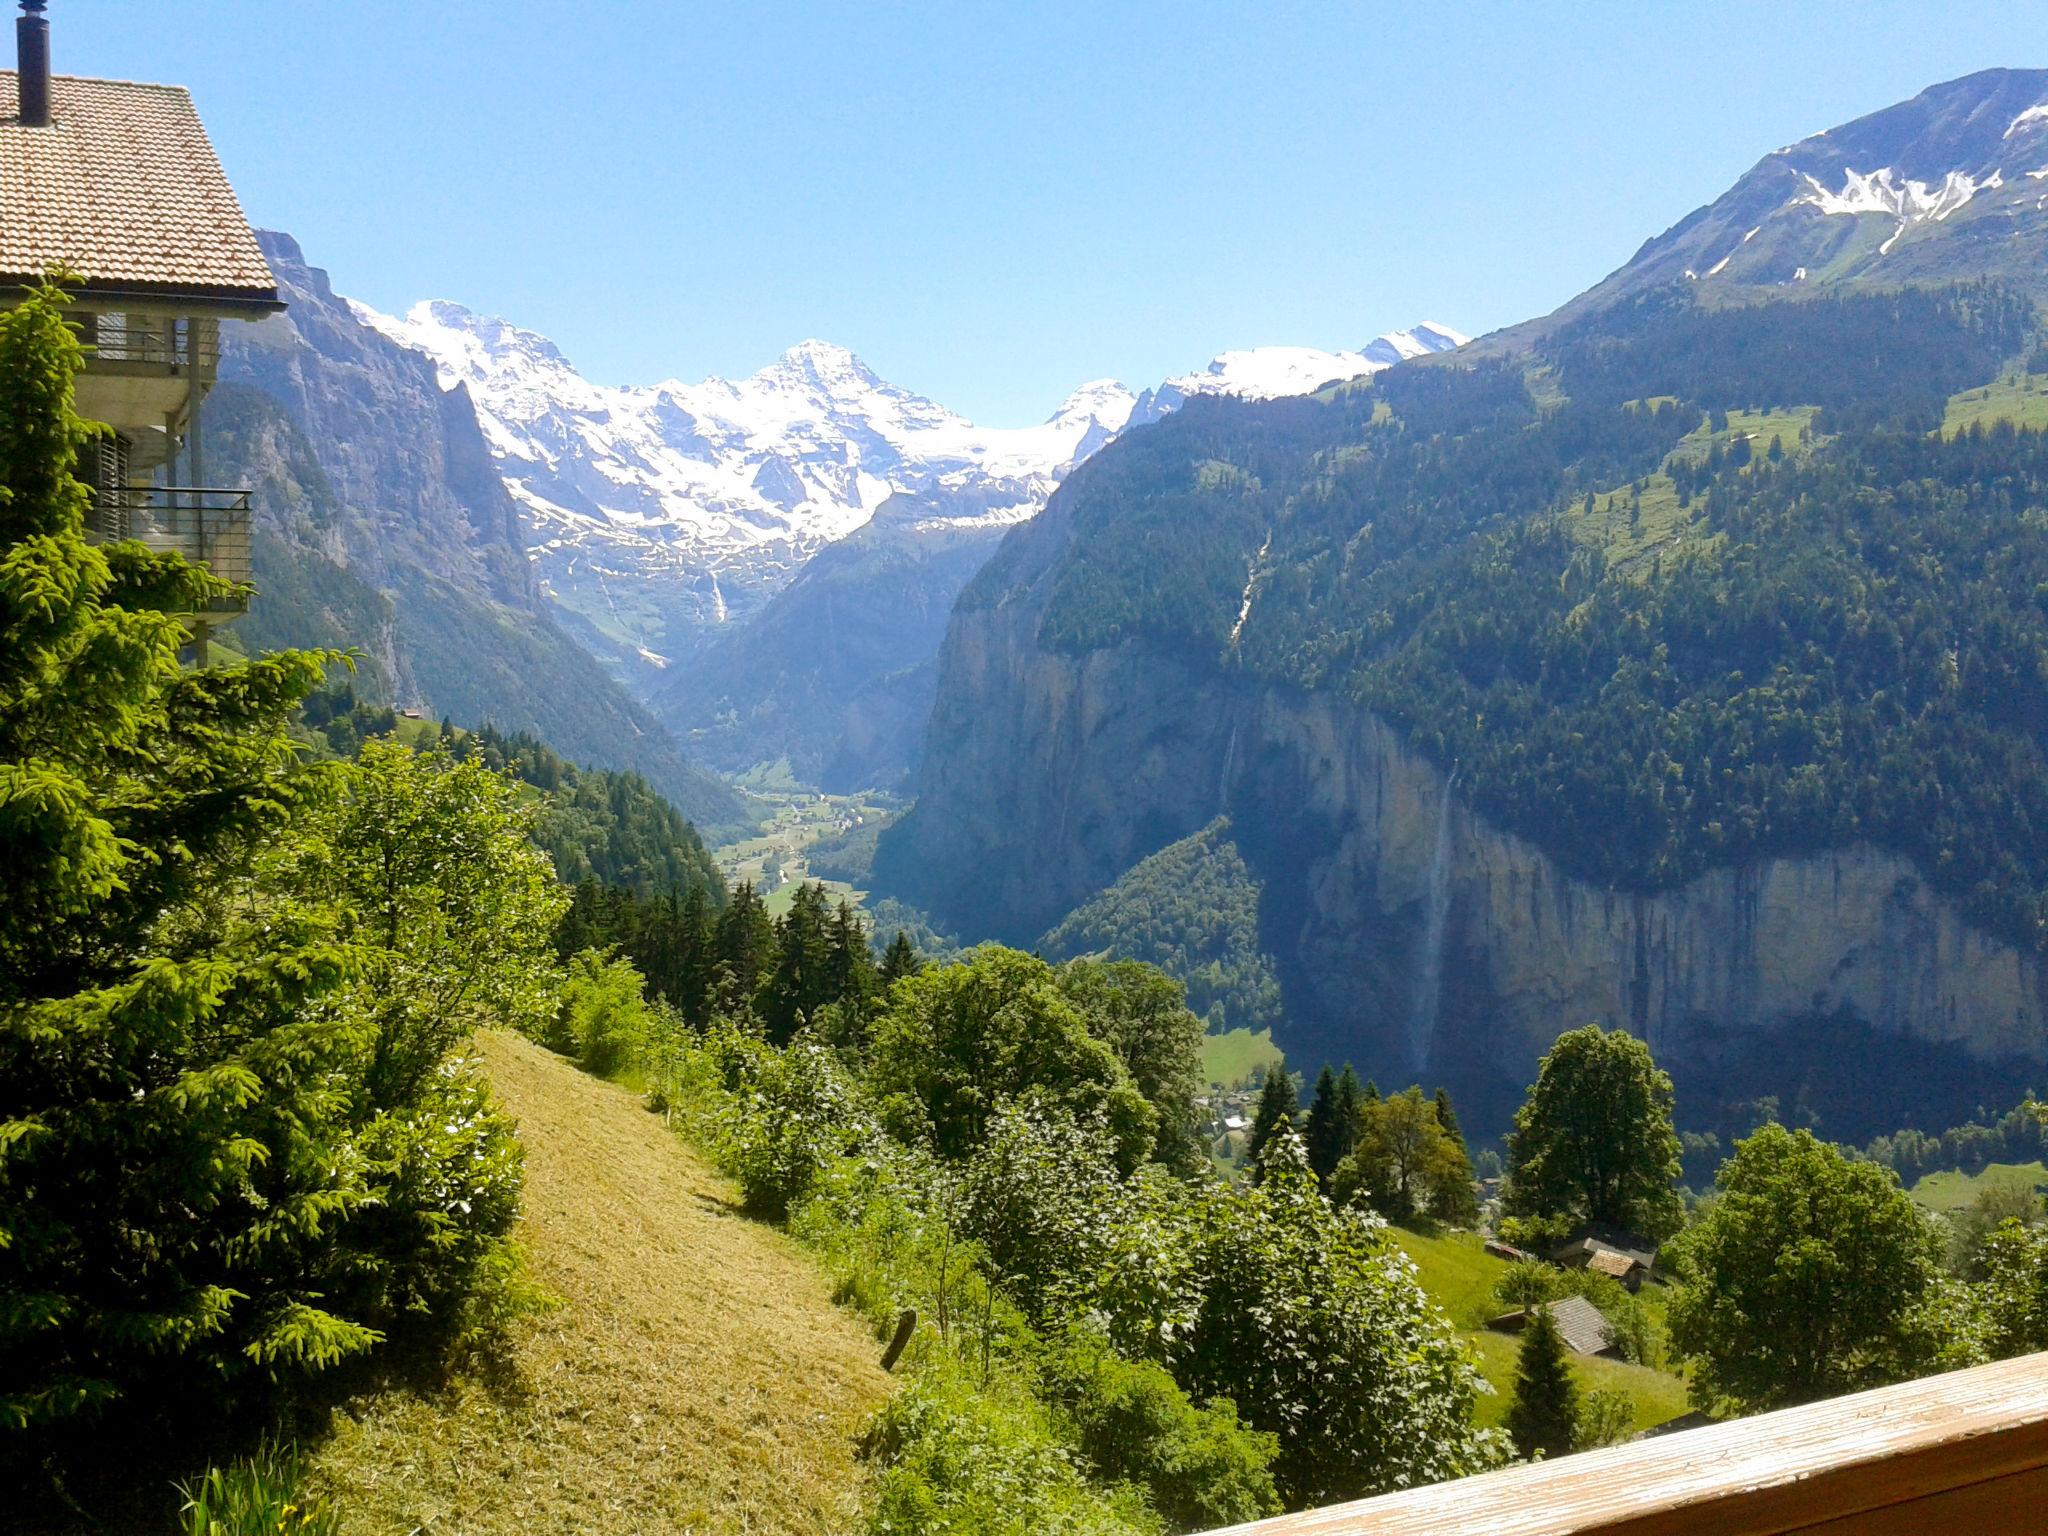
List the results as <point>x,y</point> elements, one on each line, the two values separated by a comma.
<point>794,1113</point>
<point>604,1020</point>
<point>1200,1467</point>
<point>954,1461</point>
<point>1606,1417</point>
<point>262,1496</point>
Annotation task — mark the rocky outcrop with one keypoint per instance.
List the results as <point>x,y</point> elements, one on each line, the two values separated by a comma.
<point>1414,937</point>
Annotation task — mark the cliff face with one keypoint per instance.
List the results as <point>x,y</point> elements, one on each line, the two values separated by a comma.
<point>1414,937</point>
<point>382,524</point>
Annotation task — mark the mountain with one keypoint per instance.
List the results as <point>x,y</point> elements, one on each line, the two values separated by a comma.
<point>683,529</point>
<point>657,515</point>
<point>1267,373</point>
<point>382,523</point>
<point>1949,184</point>
<point>1678,662</point>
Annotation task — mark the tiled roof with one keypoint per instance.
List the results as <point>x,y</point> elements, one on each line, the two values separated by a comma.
<point>1584,1329</point>
<point>124,188</point>
<point>1613,1263</point>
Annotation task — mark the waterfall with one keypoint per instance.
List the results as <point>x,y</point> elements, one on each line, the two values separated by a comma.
<point>1223,780</point>
<point>1429,969</point>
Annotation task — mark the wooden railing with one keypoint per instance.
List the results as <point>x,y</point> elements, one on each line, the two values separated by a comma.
<point>1954,1455</point>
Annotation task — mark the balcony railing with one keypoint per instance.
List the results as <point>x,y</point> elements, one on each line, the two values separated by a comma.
<point>208,525</point>
<point>146,342</point>
<point>1952,1455</point>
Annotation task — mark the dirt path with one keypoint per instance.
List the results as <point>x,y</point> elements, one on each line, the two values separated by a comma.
<point>698,1378</point>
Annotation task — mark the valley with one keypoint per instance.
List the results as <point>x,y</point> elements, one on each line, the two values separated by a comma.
<point>1335,940</point>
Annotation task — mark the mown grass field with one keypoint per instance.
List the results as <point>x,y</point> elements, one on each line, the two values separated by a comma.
<point>1229,1059</point>
<point>696,1376</point>
<point>1460,1275</point>
<point>1954,1191</point>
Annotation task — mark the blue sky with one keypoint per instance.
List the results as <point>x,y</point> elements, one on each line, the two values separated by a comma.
<point>993,203</point>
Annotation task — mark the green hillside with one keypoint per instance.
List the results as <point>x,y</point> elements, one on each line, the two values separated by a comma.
<point>1680,587</point>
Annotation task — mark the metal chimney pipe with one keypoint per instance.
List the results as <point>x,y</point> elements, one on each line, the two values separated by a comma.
<point>32,55</point>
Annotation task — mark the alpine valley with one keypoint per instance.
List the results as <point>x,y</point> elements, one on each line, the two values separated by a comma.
<point>1678,661</point>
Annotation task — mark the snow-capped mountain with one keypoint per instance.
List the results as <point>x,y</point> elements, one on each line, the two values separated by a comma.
<point>1953,182</point>
<point>658,514</point>
<point>1265,373</point>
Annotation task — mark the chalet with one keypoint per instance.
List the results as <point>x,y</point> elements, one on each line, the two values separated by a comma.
<point>1607,1254</point>
<point>1585,1331</point>
<point>116,182</point>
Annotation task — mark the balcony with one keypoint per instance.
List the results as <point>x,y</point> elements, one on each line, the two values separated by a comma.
<point>149,343</point>
<point>208,525</point>
<point>1962,1453</point>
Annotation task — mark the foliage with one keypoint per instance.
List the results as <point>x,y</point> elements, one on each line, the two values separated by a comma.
<point>603,1021</point>
<point>957,1461</point>
<point>959,1039</point>
<point>795,1113</point>
<point>1277,1107</point>
<point>1405,1164</point>
<point>1606,1417</point>
<point>1593,1141</point>
<point>2015,1262</point>
<point>1804,1278</point>
<point>1141,1014</point>
<point>1200,1467</point>
<point>1192,910</point>
<point>173,1147</point>
<point>453,908</point>
<point>1312,1320</point>
<point>1543,1419</point>
<point>263,1495</point>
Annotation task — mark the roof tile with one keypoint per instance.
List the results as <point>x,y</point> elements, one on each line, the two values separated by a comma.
<point>124,188</point>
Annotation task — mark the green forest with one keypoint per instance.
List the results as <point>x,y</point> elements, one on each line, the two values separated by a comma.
<point>1833,634</point>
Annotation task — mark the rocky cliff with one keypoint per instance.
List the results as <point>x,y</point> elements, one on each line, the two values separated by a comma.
<point>382,524</point>
<point>1413,937</point>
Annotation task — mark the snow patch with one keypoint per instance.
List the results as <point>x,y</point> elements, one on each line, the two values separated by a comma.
<point>2034,114</point>
<point>1877,192</point>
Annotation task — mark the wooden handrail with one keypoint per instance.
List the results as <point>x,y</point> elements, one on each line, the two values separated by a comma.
<point>1957,1454</point>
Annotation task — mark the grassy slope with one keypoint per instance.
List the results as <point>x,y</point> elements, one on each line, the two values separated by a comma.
<point>1460,1276</point>
<point>1955,1191</point>
<point>2020,398</point>
<point>696,1379</point>
<point>1230,1058</point>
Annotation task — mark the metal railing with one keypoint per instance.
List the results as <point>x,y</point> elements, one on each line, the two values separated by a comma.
<point>147,341</point>
<point>208,525</point>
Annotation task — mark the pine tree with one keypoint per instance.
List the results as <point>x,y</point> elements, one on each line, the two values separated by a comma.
<point>1277,1107</point>
<point>850,977</point>
<point>1326,1135</point>
<point>1544,1416</point>
<point>746,948</point>
<point>899,961</point>
<point>169,1116</point>
<point>1447,1119</point>
<point>800,982</point>
<point>1351,1105</point>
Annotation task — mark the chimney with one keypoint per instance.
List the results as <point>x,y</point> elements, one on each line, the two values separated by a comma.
<point>32,52</point>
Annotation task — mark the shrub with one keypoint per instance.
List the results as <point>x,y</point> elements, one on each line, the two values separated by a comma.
<point>1606,1417</point>
<point>795,1112</point>
<point>1200,1467</point>
<point>603,1020</point>
<point>954,1461</point>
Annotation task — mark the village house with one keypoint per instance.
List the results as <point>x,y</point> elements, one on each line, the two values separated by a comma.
<point>115,184</point>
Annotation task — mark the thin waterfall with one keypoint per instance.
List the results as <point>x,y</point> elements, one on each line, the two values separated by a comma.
<point>1223,781</point>
<point>1429,970</point>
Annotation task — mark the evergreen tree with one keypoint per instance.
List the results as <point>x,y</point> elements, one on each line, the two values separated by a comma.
<point>1447,1119</point>
<point>166,1113</point>
<point>899,961</point>
<point>1277,1107</point>
<point>1544,1416</point>
<point>800,981</point>
<point>1351,1105</point>
<point>850,977</point>
<point>746,949</point>
<point>1327,1136</point>
<point>1371,1094</point>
